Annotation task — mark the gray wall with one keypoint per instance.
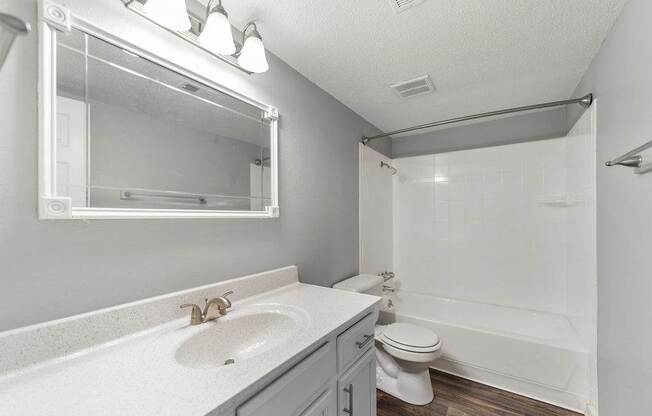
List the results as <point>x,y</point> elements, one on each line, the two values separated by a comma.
<point>621,78</point>
<point>515,129</point>
<point>53,269</point>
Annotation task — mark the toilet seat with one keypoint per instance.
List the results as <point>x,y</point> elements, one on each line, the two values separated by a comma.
<point>409,338</point>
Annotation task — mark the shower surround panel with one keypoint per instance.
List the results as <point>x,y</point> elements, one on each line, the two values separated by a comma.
<point>485,225</point>
<point>494,250</point>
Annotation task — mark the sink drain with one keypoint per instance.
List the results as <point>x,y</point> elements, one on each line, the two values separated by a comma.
<point>229,361</point>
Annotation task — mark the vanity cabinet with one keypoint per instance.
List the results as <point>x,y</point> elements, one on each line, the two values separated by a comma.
<point>337,379</point>
<point>295,392</point>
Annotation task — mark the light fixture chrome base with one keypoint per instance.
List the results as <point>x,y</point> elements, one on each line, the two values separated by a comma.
<point>198,22</point>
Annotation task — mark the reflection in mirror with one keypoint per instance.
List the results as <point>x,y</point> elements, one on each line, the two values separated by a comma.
<point>133,134</point>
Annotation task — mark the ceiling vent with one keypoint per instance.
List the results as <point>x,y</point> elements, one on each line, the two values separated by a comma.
<point>402,5</point>
<point>414,87</point>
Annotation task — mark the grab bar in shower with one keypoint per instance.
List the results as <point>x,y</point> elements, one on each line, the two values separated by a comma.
<point>10,27</point>
<point>633,159</point>
<point>174,196</point>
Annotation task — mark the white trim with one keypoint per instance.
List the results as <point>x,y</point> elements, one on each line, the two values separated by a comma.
<point>591,410</point>
<point>47,126</point>
<point>55,208</point>
<point>122,213</point>
<point>360,214</point>
<point>52,206</point>
<point>55,15</point>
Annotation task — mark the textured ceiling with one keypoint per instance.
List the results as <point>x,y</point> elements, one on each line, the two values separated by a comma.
<point>481,54</point>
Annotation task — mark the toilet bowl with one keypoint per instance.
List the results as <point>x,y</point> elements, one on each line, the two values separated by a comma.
<point>404,354</point>
<point>404,351</point>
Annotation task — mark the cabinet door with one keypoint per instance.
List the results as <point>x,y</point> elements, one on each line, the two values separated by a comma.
<point>357,388</point>
<point>292,393</point>
<point>325,405</point>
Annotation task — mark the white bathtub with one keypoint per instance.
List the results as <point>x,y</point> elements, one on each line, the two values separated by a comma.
<point>531,353</point>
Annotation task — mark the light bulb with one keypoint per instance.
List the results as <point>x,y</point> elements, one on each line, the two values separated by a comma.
<point>169,13</point>
<point>217,36</point>
<point>253,57</point>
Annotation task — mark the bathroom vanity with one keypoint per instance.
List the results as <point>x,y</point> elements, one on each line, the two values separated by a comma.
<point>342,370</point>
<point>284,349</point>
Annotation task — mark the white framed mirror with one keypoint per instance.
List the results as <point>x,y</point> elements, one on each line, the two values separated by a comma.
<point>126,134</point>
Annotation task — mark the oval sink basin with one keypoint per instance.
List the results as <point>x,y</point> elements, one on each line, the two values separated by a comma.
<point>236,337</point>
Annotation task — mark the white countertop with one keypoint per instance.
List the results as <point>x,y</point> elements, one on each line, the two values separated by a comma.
<point>132,375</point>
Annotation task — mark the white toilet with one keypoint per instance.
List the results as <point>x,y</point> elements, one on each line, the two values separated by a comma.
<point>404,353</point>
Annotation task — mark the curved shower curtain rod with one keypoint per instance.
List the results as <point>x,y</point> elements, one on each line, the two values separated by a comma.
<point>585,102</point>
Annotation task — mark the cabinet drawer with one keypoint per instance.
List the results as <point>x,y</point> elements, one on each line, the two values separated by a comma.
<point>294,391</point>
<point>355,341</point>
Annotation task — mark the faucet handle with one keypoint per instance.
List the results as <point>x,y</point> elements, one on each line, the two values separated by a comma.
<point>224,298</point>
<point>387,275</point>
<point>226,302</point>
<point>196,316</point>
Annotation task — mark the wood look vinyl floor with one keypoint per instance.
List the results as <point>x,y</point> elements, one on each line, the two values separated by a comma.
<point>455,396</point>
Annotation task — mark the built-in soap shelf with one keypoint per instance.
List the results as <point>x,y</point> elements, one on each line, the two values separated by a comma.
<point>561,201</point>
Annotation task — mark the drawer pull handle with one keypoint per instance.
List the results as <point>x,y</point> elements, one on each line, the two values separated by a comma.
<point>349,391</point>
<point>363,343</point>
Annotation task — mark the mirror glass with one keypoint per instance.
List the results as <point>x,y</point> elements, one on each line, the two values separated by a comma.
<point>132,134</point>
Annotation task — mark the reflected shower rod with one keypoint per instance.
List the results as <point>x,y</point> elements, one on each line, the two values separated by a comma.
<point>585,102</point>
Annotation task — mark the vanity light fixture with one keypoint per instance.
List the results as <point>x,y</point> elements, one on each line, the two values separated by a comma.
<point>217,36</point>
<point>211,31</point>
<point>252,56</point>
<point>169,13</point>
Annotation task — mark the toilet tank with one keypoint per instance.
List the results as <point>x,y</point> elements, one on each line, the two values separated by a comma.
<point>364,283</point>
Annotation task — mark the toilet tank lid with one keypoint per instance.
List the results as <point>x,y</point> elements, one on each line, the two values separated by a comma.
<point>360,283</point>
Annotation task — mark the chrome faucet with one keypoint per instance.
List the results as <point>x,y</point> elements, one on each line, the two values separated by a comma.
<point>198,317</point>
<point>223,305</point>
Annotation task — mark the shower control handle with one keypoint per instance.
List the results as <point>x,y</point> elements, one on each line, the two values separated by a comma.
<point>387,275</point>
